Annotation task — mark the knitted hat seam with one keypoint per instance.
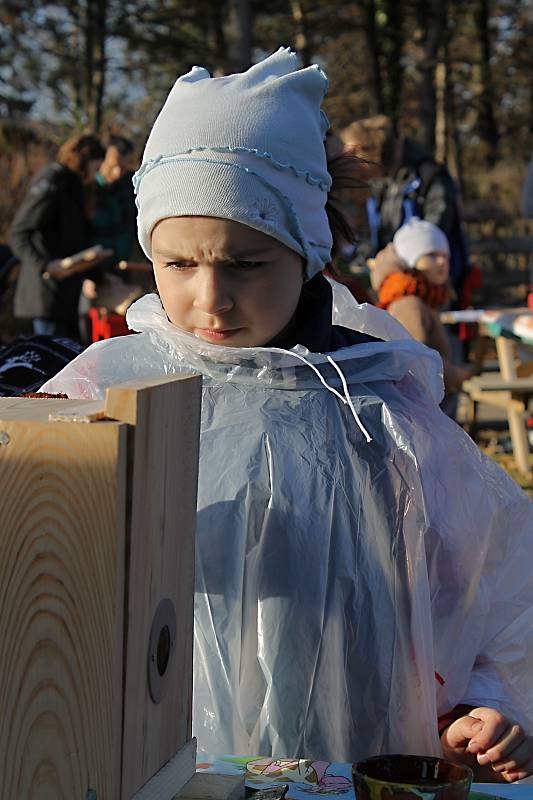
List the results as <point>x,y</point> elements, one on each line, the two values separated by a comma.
<point>154,162</point>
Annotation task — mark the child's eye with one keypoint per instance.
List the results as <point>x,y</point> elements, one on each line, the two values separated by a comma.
<point>236,264</point>
<point>180,265</point>
<point>248,264</point>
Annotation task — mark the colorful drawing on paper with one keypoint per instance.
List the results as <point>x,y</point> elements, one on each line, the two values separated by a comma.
<point>304,776</point>
<point>316,777</point>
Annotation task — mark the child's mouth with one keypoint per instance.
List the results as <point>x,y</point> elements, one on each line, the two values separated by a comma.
<point>216,335</point>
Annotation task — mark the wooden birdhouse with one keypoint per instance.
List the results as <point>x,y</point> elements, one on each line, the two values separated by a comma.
<point>97,521</point>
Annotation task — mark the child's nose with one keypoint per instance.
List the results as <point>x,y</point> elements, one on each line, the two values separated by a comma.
<point>213,294</point>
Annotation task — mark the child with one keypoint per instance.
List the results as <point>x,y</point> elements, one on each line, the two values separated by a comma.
<point>361,567</point>
<point>411,279</point>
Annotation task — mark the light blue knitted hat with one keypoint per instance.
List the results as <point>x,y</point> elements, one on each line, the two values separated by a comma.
<point>247,147</point>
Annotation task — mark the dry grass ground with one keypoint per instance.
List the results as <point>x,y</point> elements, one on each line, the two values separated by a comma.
<point>493,439</point>
<point>490,443</point>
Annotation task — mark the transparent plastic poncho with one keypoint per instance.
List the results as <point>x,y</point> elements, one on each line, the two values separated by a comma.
<point>361,567</point>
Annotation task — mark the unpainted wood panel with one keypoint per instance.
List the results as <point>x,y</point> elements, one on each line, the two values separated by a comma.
<point>62,506</point>
<point>40,409</point>
<point>163,518</point>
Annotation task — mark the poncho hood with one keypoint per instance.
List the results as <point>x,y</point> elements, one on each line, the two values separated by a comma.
<point>293,369</point>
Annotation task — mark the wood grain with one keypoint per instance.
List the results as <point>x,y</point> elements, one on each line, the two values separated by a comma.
<point>62,510</point>
<point>34,409</point>
<point>97,528</point>
<point>161,544</point>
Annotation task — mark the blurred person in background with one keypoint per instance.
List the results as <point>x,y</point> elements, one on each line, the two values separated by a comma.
<point>413,184</point>
<point>350,178</point>
<point>10,327</point>
<point>113,223</point>
<point>114,214</point>
<point>411,278</point>
<point>53,223</point>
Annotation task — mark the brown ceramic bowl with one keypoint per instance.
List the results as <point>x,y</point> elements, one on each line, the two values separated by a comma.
<point>410,778</point>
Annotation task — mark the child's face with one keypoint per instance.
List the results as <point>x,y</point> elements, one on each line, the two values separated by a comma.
<point>223,281</point>
<point>436,266</point>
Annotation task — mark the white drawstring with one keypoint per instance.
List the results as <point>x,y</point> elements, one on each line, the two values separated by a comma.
<point>346,399</point>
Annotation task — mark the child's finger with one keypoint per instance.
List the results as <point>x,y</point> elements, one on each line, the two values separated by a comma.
<point>504,746</point>
<point>495,725</point>
<point>462,731</point>
<point>510,777</point>
<point>521,756</point>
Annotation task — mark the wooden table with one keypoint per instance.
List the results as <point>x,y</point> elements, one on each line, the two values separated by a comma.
<point>505,326</point>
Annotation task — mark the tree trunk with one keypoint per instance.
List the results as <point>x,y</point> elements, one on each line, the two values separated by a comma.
<point>89,61</point>
<point>394,52</point>
<point>374,51</point>
<point>241,25</point>
<point>487,123</point>
<point>448,89</point>
<point>440,116</point>
<point>76,39</point>
<point>301,39</point>
<point>432,19</point>
<point>95,34</point>
<point>100,63</point>
<point>457,152</point>
<point>216,37</point>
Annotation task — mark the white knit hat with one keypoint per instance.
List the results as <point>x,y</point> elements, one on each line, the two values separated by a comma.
<point>246,147</point>
<point>419,238</point>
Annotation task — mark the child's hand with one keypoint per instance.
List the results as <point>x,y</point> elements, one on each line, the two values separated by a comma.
<point>493,740</point>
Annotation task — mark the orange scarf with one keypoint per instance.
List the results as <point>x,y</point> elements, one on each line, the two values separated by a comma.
<point>404,284</point>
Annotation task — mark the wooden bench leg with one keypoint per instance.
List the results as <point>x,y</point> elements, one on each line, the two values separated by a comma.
<point>471,423</point>
<point>515,416</point>
<point>480,353</point>
<point>519,439</point>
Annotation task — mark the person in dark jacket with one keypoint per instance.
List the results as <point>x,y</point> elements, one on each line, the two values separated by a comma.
<point>115,214</point>
<point>10,327</point>
<point>413,185</point>
<point>52,223</point>
<point>114,227</point>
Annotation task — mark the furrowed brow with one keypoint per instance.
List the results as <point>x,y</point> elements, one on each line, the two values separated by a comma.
<point>246,255</point>
<point>171,255</point>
